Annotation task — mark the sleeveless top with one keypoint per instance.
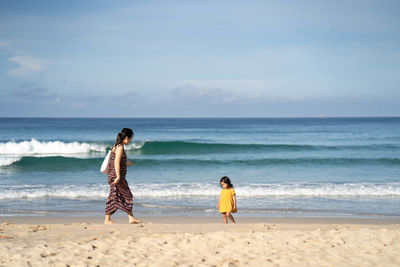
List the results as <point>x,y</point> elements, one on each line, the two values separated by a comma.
<point>112,174</point>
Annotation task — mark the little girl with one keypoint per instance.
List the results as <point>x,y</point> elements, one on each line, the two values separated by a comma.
<point>227,200</point>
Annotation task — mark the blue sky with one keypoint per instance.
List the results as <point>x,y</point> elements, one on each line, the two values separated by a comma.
<point>199,58</point>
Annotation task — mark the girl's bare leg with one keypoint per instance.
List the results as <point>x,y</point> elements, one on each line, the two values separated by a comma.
<point>224,217</point>
<point>107,219</point>
<point>230,217</point>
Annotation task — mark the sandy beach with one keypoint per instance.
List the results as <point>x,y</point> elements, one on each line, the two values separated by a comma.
<point>179,241</point>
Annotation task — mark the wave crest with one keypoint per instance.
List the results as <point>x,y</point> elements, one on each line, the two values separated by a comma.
<point>174,190</point>
<point>34,147</point>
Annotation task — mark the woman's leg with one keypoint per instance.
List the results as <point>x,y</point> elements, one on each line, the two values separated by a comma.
<point>107,219</point>
<point>230,217</point>
<point>111,206</point>
<point>132,218</point>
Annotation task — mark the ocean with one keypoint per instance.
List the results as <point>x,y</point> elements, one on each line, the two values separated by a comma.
<point>280,167</point>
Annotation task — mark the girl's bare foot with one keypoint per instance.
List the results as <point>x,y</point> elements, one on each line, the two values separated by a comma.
<point>109,222</point>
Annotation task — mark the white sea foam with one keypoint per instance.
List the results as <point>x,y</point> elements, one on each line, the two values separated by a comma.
<point>265,190</point>
<point>34,147</point>
<point>5,161</point>
<point>12,152</point>
<point>134,146</point>
<point>175,190</point>
<point>57,191</point>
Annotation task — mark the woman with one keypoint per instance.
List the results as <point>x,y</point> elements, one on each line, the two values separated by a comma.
<point>120,196</point>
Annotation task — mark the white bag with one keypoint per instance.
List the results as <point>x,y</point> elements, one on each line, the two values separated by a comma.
<point>104,167</point>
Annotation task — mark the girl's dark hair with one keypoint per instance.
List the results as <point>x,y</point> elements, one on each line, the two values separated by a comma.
<point>226,180</point>
<point>126,132</point>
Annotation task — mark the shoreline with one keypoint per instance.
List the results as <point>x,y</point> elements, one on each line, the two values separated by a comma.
<point>121,219</point>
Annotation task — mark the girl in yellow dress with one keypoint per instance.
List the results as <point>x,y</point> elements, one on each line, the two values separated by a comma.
<point>227,200</point>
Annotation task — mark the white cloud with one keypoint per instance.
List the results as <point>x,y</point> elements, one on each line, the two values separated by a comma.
<point>233,84</point>
<point>27,66</point>
<point>192,95</point>
<point>4,45</point>
<point>203,94</point>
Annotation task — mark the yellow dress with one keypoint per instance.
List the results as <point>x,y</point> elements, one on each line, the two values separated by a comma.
<point>226,204</point>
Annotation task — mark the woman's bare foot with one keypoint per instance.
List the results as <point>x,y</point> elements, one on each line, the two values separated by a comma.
<point>107,219</point>
<point>133,220</point>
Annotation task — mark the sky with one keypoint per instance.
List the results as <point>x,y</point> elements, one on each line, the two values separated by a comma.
<point>199,58</point>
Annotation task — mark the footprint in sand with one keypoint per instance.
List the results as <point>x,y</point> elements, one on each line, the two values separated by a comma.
<point>35,228</point>
<point>270,227</point>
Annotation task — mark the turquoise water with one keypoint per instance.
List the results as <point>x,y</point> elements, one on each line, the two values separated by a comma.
<point>280,167</point>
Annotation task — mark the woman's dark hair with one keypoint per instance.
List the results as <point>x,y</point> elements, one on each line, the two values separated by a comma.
<point>126,132</point>
<point>226,180</point>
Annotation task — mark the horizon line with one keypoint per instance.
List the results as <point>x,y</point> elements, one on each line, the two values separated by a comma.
<point>200,117</point>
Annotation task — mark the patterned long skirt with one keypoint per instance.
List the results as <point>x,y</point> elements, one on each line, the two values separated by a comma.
<point>120,197</point>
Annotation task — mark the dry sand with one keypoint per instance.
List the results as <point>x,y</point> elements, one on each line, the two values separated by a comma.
<point>199,242</point>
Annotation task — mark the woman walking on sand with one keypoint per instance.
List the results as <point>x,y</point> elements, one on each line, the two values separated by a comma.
<point>120,196</point>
